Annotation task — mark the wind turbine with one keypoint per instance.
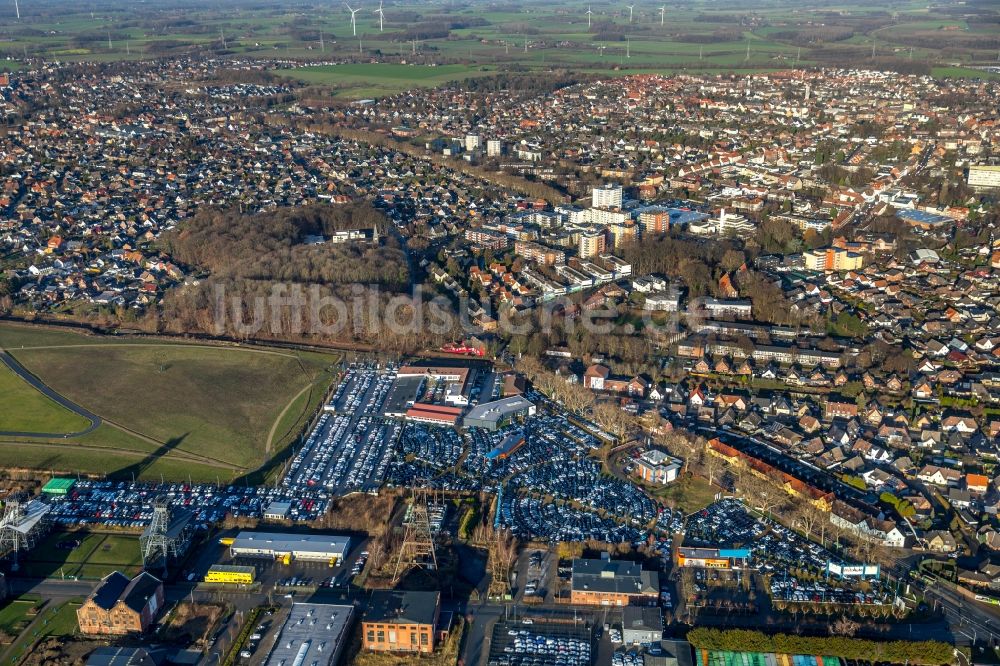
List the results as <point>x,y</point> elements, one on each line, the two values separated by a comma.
<point>17,9</point>
<point>630,8</point>
<point>381,15</point>
<point>628,46</point>
<point>354,25</point>
<point>588,17</point>
<point>663,10</point>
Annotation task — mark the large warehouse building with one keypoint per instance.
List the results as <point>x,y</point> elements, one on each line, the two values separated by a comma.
<point>313,634</point>
<point>274,545</point>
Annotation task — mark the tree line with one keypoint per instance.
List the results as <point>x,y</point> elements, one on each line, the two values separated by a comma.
<point>925,653</point>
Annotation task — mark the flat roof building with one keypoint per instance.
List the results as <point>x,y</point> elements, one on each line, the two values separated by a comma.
<point>58,486</point>
<point>508,446</point>
<point>230,574</point>
<point>655,466</point>
<point>492,415</point>
<point>400,621</point>
<point>312,634</point>
<point>608,582</point>
<point>277,510</point>
<point>433,414</point>
<point>275,545</point>
<point>712,558</point>
<point>642,624</point>
<point>984,177</point>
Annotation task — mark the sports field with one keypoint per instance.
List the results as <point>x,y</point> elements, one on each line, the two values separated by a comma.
<point>173,410</point>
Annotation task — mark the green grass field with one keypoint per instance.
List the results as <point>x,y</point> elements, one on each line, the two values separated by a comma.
<point>176,410</point>
<point>962,73</point>
<point>27,410</point>
<point>377,79</point>
<point>14,616</point>
<point>55,620</point>
<point>689,494</point>
<point>97,555</point>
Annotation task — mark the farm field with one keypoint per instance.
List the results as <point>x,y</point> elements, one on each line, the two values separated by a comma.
<point>372,79</point>
<point>461,40</point>
<point>176,410</point>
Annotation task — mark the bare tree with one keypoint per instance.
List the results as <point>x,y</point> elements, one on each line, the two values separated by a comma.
<point>612,419</point>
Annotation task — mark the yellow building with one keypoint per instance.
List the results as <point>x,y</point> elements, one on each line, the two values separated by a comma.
<point>832,259</point>
<point>223,573</point>
<point>592,244</point>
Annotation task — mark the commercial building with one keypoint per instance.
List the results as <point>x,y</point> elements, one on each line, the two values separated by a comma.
<point>230,574</point>
<point>984,177</point>
<point>495,414</point>
<point>313,634</point>
<point>433,414</point>
<point>641,624</point>
<point>607,196</point>
<point>712,558</point>
<point>607,582</point>
<point>125,656</point>
<point>924,219</point>
<point>120,605</point>
<point>306,547</point>
<point>832,259</point>
<point>455,379</point>
<point>277,510</point>
<point>58,486</point>
<point>655,466</point>
<point>507,447</point>
<point>398,621</point>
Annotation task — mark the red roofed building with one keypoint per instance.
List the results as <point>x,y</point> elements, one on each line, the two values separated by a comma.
<point>434,414</point>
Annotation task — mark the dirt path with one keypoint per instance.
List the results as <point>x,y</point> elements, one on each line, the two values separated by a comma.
<point>174,345</point>
<point>118,451</point>
<point>277,421</point>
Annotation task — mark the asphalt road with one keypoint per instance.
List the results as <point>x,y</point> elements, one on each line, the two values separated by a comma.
<point>23,373</point>
<point>970,621</point>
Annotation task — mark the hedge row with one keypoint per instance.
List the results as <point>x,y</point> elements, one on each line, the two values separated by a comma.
<point>922,653</point>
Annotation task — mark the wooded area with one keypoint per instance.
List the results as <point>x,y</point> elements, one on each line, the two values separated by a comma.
<point>248,267</point>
